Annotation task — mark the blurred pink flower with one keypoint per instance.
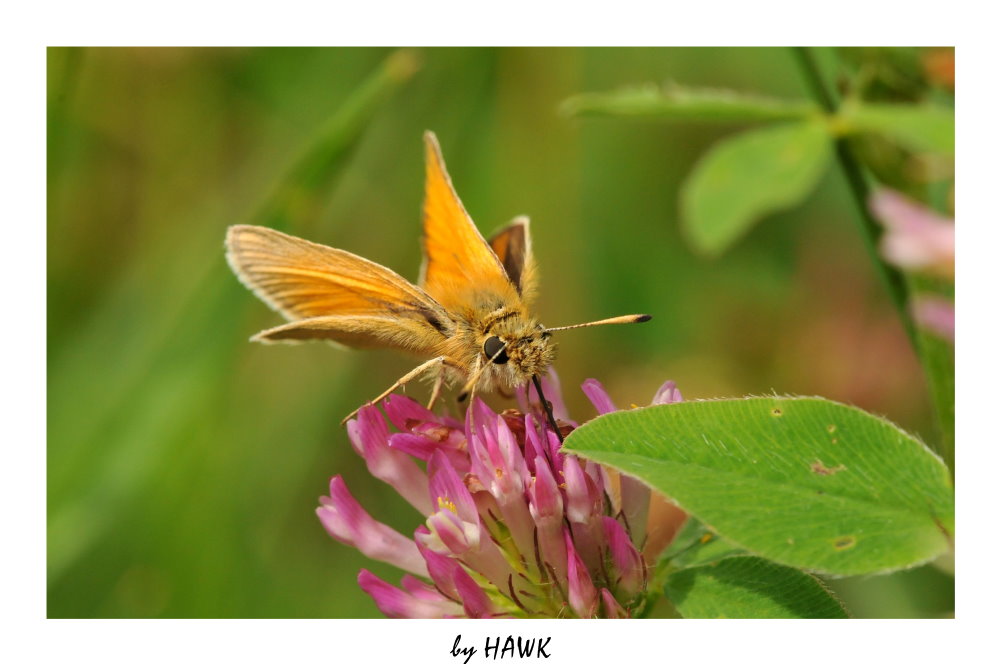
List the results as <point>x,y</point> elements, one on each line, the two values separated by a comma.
<point>917,239</point>
<point>512,527</point>
<point>935,314</point>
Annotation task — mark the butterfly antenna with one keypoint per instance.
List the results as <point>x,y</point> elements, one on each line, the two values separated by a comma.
<point>547,406</point>
<point>617,320</point>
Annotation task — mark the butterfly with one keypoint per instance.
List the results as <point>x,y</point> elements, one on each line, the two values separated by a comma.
<point>468,312</point>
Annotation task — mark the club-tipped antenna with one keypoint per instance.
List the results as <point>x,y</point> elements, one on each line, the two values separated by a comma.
<point>617,320</point>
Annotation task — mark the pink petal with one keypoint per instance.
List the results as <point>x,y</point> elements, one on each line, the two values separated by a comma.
<point>612,609</point>
<point>606,480</point>
<point>479,461</point>
<point>348,523</point>
<point>588,538</point>
<point>936,314</point>
<point>546,510</point>
<point>918,238</point>
<point>527,397</point>
<point>417,446</point>
<point>449,435</point>
<point>422,447</point>
<point>546,499</point>
<point>369,435</point>
<point>624,556</point>
<point>423,432</point>
<point>533,443</point>
<point>405,413</point>
<point>496,473</point>
<point>582,499</point>
<point>598,396</point>
<point>448,432</point>
<point>396,603</point>
<point>582,594</point>
<point>668,393</point>
<point>447,486</point>
<point>501,469</point>
<point>584,504</point>
<point>491,468</point>
<point>474,599</point>
<point>555,457</point>
<point>485,557</point>
<point>477,415</point>
<point>440,567</point>
<point>513,459</point>
<point>553,392</point>
<point>449,534</point>
<point>421,590</point>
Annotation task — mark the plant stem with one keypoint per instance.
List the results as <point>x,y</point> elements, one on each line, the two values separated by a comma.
<point>871,231</point>
<point>930,352</point>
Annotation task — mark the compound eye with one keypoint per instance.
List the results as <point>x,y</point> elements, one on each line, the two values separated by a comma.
<point>493,346</point>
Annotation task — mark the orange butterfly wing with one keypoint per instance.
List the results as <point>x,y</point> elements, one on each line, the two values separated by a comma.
<point>512,245</point>
<point>332,294</point>
<point>460,269</point>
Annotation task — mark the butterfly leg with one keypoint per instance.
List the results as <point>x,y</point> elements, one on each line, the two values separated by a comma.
<point>429,364</point>
<point>470,387</point>
<point>436,391</point>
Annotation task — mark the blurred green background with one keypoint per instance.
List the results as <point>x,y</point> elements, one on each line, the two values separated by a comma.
<point>184,463</point>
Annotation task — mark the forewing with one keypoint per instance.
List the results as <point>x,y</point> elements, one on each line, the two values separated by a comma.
<point>304,280</point>
<point>460,269</point>
<point>355,331</point>
<point>512,245</point>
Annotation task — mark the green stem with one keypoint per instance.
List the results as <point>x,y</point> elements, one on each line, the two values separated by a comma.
<point>938,371</point>
<point>871,231</point>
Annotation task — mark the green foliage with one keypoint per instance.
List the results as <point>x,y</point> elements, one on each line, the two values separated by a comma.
<point>749,587</point>
<point>151,420</point>
<point>880,500</point>
<point>752,174</point>
<point>804,482</point>
<point>682,103</point>
<point>938,358</point>
<point>184,463</point>
<point>704,575</point>
<point>695,545</point>
<point>921,128</point>
<point>755,174</point>
<point>297,201</point>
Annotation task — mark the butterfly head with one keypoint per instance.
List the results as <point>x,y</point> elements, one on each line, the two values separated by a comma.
<point>515,349</point>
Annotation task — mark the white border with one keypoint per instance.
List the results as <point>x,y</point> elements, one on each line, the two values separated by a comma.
<point>509,23</point>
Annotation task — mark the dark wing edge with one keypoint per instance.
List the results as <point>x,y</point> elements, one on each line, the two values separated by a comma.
<point>512,245</point>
